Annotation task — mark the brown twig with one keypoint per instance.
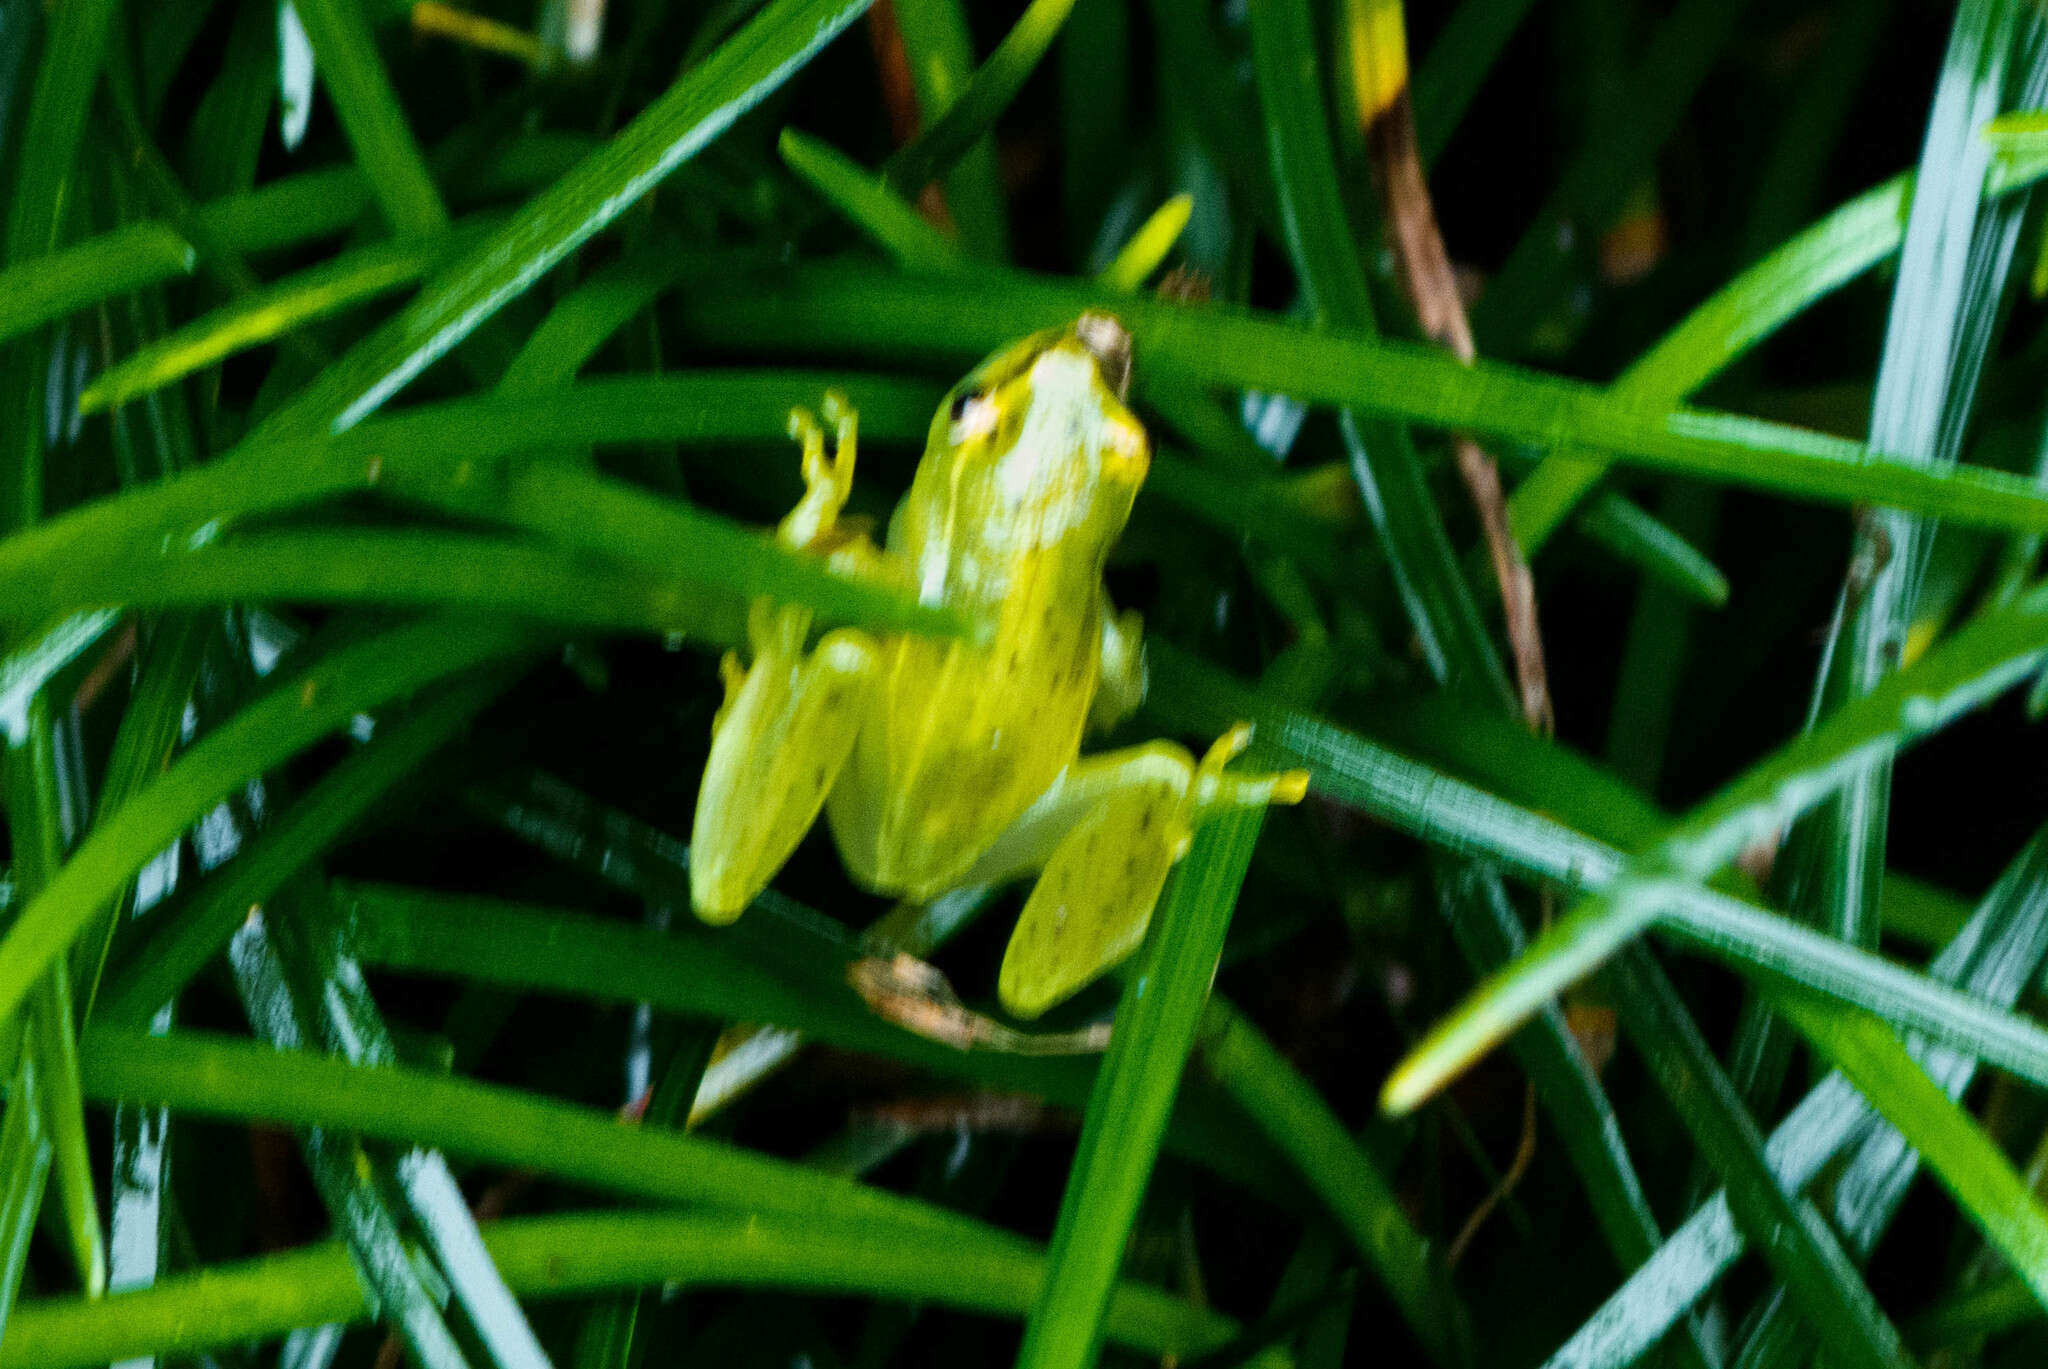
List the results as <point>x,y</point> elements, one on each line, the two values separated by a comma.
<point>1380,72</point>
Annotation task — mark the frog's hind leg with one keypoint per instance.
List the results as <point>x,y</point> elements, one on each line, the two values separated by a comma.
<point>788,723</point>
<point>1104,840</point>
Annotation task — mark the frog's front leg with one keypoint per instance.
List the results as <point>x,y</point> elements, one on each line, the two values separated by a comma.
<point>788,723</point>
<point>1120,676</point>
<point>1104,838</point>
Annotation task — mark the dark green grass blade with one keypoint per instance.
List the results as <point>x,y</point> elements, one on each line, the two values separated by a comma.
<point>297,712</point>
<point>1465,820</point>
<point>1970,1165</point>
<point>1795,1240</point>
<point>1994,957</point>
<point>1455,67</point>
<point>345,55</point>
<point>1952,267</point>
<point>1979,662</point>
<point>179,939</point>
<point>24,1173</point>
<point>1616,155</point>
<point>584,1253</point>
<point>267,314</point>
<point>936,44</point>
<point>1133,1097</point>
<point>850,307</point>
<point>1295,1118</point>
<point>1439,604</point>
<point>693,112</point>
<point>47,287</point>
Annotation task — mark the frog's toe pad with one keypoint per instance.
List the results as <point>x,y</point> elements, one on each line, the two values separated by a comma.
<point>1093,901</point>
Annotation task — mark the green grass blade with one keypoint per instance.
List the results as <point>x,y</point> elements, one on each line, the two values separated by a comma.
<point>1146,251</point>
<point>345,53</point>
<point>694,111</point>
<point>1745,311</point>
<point>1994,957</point>
<point>1439,604</point>
<point>181,938</point>
<point>1455,67</point>
<point>941,57</point>
<point>987,94</point>
<point>201,1074</point>
<point>580,1254</point>
<point>47,287</point>
<point>1793,1237</point>
<point>269,313</point>
<point>1284,1106</point>
<point>1991,1193</point>
<point>1976,664</point>
<point>24,1173</point>
<point>293,715</point>
<point>1952,267</point>
<point>853,308</point>
<point>869,204</point>
<point>422,569</point>
<point>1133,1095</point>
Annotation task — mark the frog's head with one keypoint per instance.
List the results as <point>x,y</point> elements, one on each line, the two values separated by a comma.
<point>1039,438</point>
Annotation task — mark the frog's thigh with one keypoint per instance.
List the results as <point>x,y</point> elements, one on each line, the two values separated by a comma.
<point>777,747</point>
<point>1104,840</point>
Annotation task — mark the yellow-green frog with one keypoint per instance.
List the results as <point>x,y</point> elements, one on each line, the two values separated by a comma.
<point>944,764</point>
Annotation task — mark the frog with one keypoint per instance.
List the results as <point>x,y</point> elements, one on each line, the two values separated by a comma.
<point>948,763</point>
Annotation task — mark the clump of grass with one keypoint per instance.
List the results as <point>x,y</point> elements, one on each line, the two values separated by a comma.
<point>381,478</point>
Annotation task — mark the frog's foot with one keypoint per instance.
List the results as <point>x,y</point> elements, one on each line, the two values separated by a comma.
<point>1104,839</point>
<point>828,477</point>
<point>778,745</point>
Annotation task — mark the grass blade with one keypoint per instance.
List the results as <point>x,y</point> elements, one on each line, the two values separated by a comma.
<point>1980,661</point>
<point>345,53</point>
<point>1972,1167</point>
<point>693,112</point>
<point>579,1254</point>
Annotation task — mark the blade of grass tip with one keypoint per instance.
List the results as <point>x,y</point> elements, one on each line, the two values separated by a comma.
<point>1146,251</point>
<point>987,94</point>
<point>867,202</point>
<point>1455,67</point>
<point>1976,664</point>
<point>692,113</point>
<point>291,715</point>
<point>581,1254</point>
<point>1397,497</point>
<point>1970,1165</point>
<point>941,59</point>
<point>855,307</point>
<point>1995,955</point>
<point>1793,1238</point>
<point>272,312</point>
<point>1465,820</point>
<point>306,951</point>
<point>345,55</point>
<point>174,944</point>
<point>1288,1110</point>
<point>35,840</point>
<point>345,1174</point>
<point>45,288</point>
<point>1133,1095</point>
<point>1952,263</point>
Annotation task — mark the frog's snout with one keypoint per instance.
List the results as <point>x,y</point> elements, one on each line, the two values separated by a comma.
<point>1109,342</point>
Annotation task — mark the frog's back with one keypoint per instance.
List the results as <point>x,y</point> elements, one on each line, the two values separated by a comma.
<point>1027,480</point>
<point>960,739</point>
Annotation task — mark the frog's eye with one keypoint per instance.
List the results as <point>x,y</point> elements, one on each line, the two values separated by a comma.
<point>974,414</point>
